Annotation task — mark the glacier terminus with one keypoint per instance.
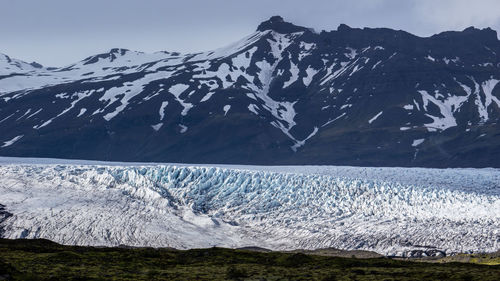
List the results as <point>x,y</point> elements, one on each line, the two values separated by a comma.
<point>392,211</point>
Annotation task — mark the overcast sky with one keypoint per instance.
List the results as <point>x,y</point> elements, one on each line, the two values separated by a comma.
<point>59,32</point>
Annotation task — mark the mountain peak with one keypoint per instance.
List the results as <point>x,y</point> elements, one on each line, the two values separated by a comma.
<point>278,24</point>
<point>119,51</point>
<point>343,27</point>
<point>36,65</point>
<point>111,55</point>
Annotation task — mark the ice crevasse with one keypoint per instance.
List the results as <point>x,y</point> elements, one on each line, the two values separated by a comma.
<point>277,208</point>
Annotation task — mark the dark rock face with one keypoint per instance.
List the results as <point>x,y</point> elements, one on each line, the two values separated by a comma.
<point>3,216</point>
<point>278,24</point>
<point>424,254</point>
<point>283,95</point>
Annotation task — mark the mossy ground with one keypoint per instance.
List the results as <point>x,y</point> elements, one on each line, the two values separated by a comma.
<point>488,259</point>
<point>45,260</point>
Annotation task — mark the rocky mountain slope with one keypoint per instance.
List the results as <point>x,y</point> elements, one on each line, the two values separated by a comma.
<point>282,95</point>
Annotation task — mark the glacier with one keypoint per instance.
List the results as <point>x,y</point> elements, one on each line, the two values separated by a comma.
<point>392,211</point>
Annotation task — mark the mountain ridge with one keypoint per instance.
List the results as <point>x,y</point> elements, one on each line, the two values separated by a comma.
<point>267,25</point>
<point>282,95</point>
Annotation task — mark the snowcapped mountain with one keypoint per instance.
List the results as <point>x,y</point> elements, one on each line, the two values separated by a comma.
<point>282,95</point>
<point>9,66</point>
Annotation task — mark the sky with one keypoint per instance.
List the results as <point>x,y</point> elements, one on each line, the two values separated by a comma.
<point>61,32</point>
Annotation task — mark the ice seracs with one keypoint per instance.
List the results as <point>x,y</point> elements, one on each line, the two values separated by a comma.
<point>388,210</point>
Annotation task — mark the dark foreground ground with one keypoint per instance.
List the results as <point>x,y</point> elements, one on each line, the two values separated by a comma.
<point>45,260</point>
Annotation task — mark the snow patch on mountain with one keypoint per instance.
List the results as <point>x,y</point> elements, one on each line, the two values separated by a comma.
<point>162,109</point>
<point>9,66</point>
<point>253,108</point>
<point>123,94</point>
<point>333,120</point>
<point>183,128</point>
<point>298,144</point>
<point>310,73</point>
<point>242,61</point>
<point>443,122</point>
<point>375,117</point>
<point>488,87</point>
<point>352,53</point>
<point>207,96</point>
<point>157,127</point>
<point>236,47</point>
<point>306,49</point>
<point>294,71</point>
<point>417,142</point>
<point>177,90</point>
<point>12,141</point>
<point>226,109</point>
<point>82,111</point>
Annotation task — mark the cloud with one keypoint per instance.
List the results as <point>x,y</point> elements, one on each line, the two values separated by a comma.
<point>457,14</point>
